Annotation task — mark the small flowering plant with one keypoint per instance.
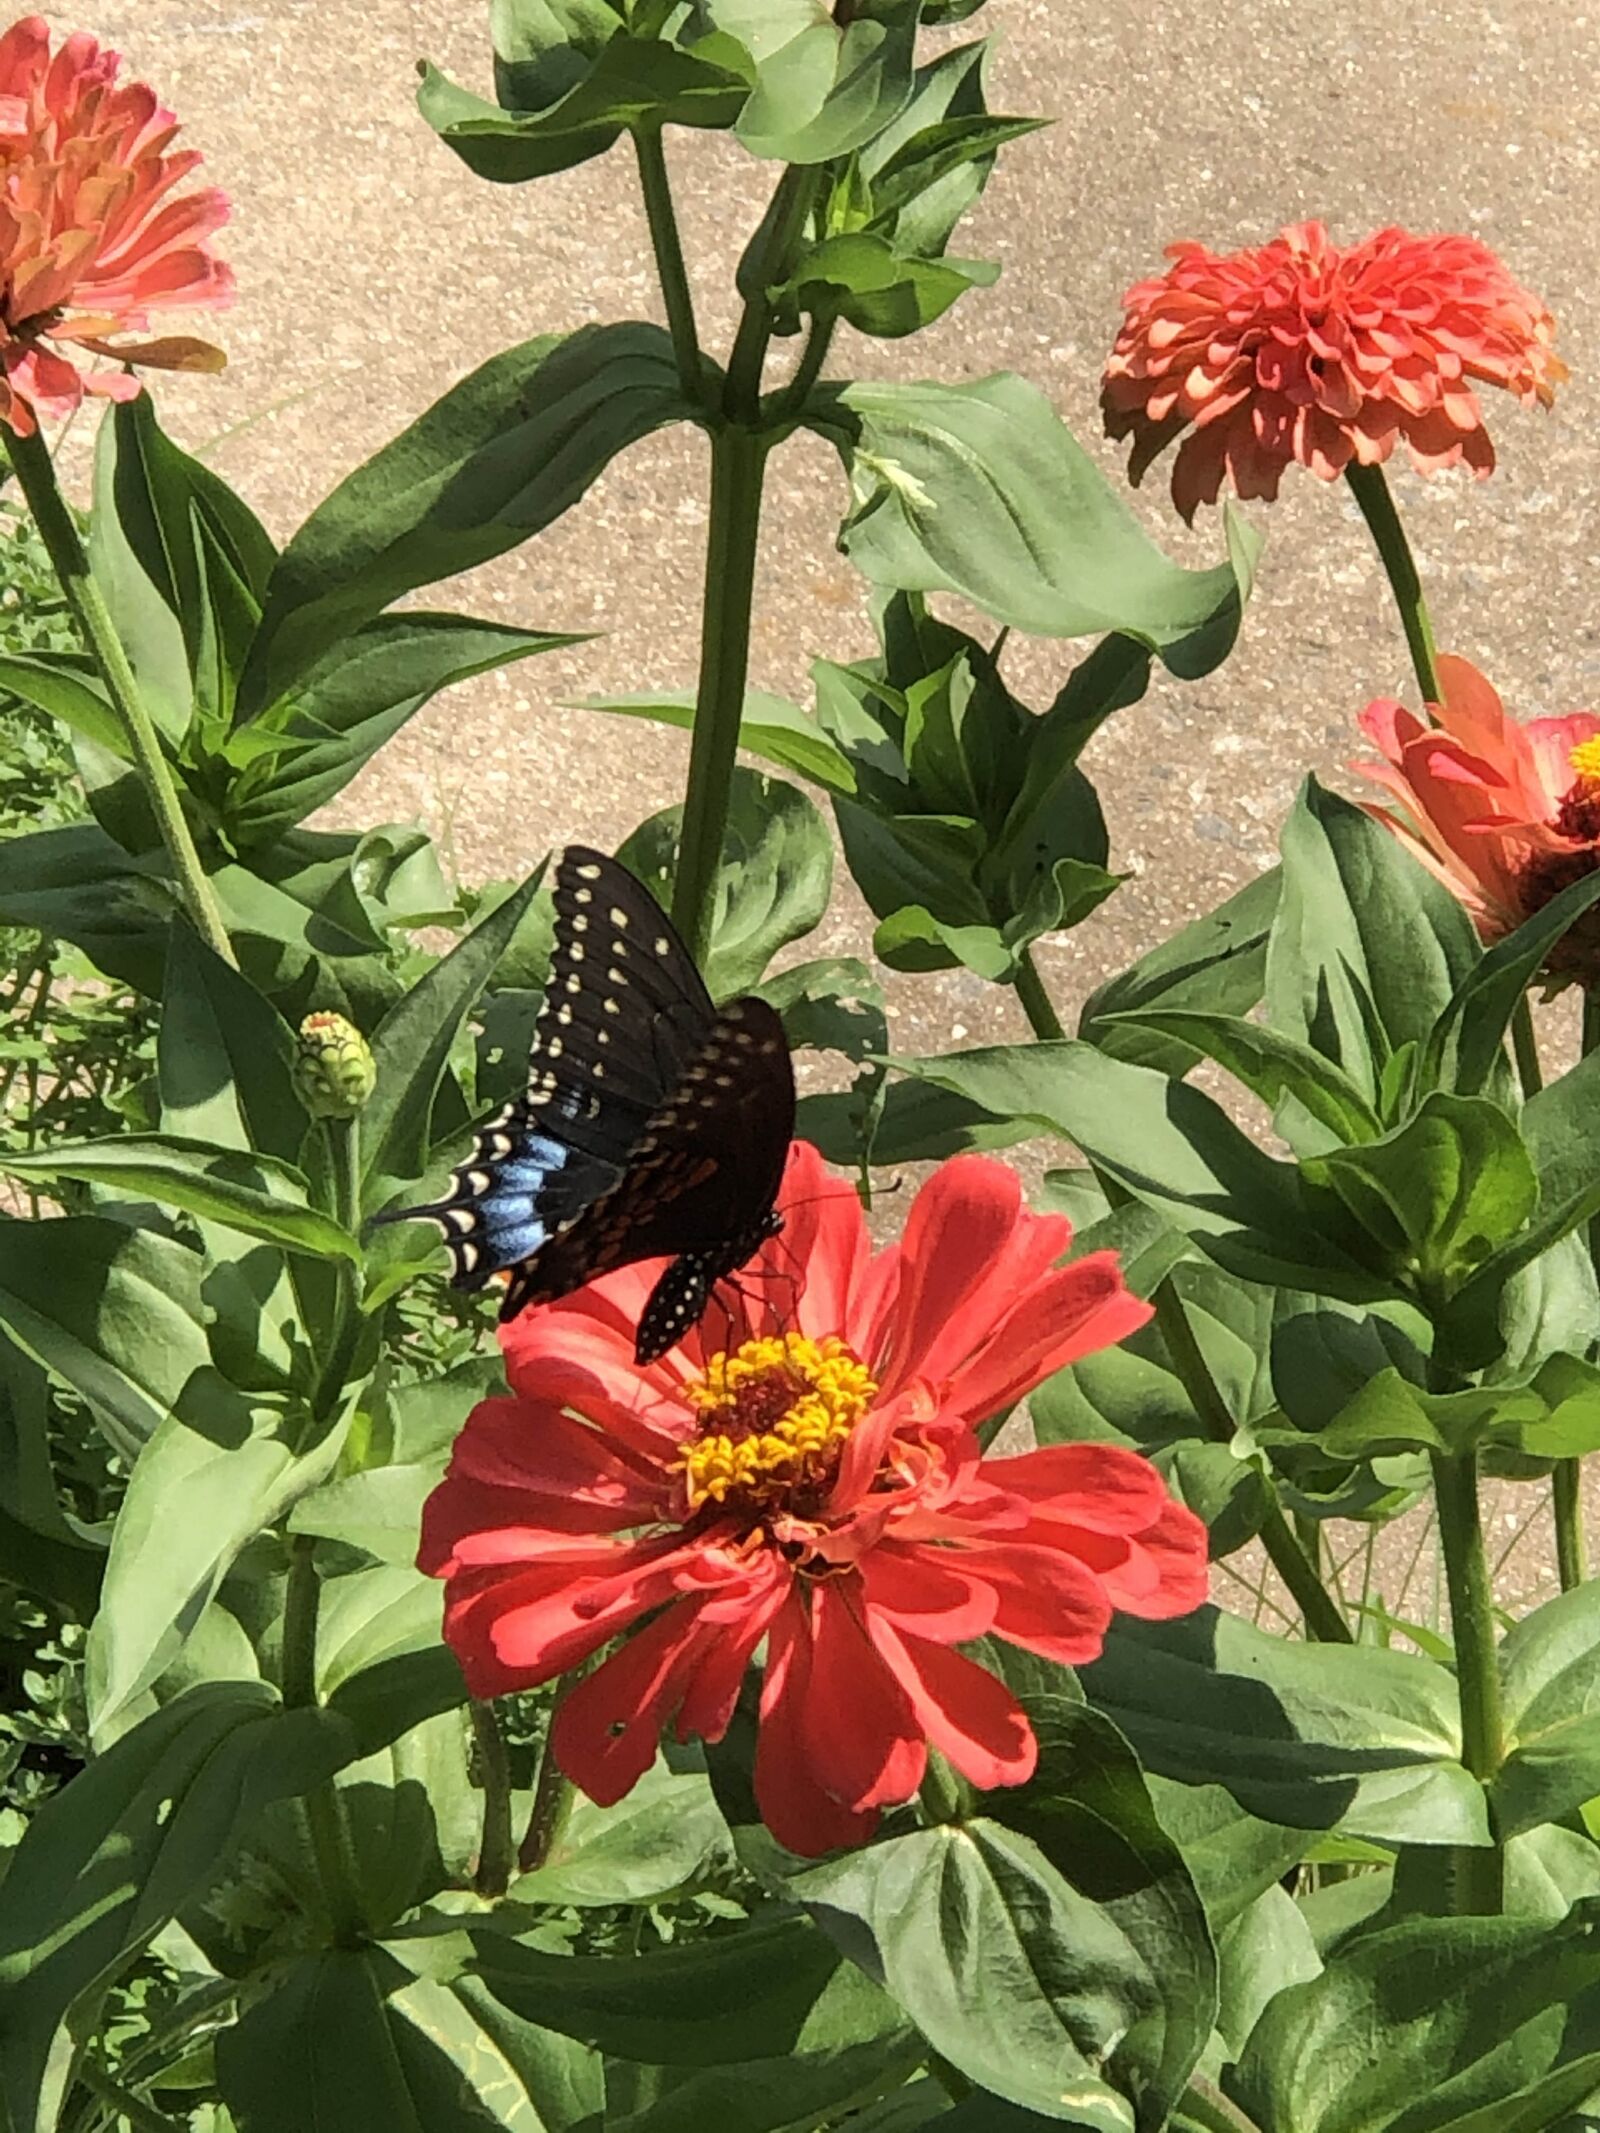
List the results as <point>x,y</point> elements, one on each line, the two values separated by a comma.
<point>938,1684</point>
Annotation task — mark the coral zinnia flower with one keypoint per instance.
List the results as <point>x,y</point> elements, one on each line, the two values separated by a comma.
<point>1298,350</point>
<point>812,1477</point>
<point>90,241</point>
<point>1506,814</point>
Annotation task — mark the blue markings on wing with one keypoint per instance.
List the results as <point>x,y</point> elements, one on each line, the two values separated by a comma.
<point>509,1225</point>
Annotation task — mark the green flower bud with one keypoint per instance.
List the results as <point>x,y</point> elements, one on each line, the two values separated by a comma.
<point>333,1067</point>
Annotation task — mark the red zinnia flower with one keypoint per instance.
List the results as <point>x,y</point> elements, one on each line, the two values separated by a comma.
<point>1301,350</point>
<point>812,1479</point>
<point>1506,814</point>
<point>90,241</point>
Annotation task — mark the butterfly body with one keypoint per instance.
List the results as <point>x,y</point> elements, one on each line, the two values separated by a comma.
<point>653,1124</point>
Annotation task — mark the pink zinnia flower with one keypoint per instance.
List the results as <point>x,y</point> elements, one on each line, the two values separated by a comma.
<point>811,1476</point>
<point>1506,814</point>
<point>1303,351</point>
<point>90,240</point>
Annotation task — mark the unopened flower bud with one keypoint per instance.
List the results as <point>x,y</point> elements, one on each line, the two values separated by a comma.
<point>333,1067</point>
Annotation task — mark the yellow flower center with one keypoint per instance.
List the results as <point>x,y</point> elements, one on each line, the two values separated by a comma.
<point>1585,758</point>
<point>774,1416</point>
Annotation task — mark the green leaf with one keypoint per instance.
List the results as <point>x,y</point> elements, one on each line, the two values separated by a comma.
<point>663,1837</point>
<point>1032,1989</point>
<point>1555,1416</point>
<point>1233,1857</point>
<point>772,886</point>
<point>1561,1129</point>
<point>982,490</point>
<point>1439,1193</point>
<point>412,1046</point>
<point>871,284</point>
<point>225,1056</point>
<point>1267,1948</point>
<point>492,463</point>
<point>770,727</point>
<point>1551,1712</point>
<point>44,1553</point>
<point>114,1311</point>
<point>1367,949</point>
<point>1464,1046</point>
<point>351,2040</point>
<point>1170,1146</point>
<point>832,1005</point>
<point>1217,963</point>
<point>220,1468</point>
<point>113,1856</point>
<point>916,1123</point>
<point>57,683</point>
<point>1269,1064</point>
<point>634,83</point>
<point>356,697</point>
<point>819,89</point>
<point>1314,1736</point>
<point>255,1194</point>
<point>1438,2025</point>
<point>77,884</point>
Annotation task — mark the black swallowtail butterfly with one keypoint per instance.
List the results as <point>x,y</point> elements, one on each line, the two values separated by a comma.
<point>653,1122</point>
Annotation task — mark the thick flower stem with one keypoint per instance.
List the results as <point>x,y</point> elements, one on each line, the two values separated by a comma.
<point>36,475</point>
<point>1480,1870</point>
<point>497,1852</point>
<point>789,404</point>
<point>668,246</point>
<point>344,1134</point>
<point>1371,492</point>
<point>330,1839</point>
<point>766,266</point>
<point>1037,1004</point>
<point>1203,2104</point>
<point>553,1797</point>
<point>738,462</point>
<point>1526,1046</point>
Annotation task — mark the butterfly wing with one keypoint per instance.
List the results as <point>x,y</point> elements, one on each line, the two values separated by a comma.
<point>625,1013</point>
<point>701,1181</point>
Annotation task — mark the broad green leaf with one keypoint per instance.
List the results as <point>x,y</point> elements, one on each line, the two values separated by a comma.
<point>225,1056</point>
<point>1439,1193</point>
<point>256,1194</point>
<point>133,548</point>
<point>43,1552</point>
<point>1032,1989</point>
<point>1465,1043</point>
<point>916,1123</point>
<point>1271,1066</point>
<point>356,697</point>
<point>114,1311</point>
<point>770,727</point>
<point>1439,2025</point>
<point>634,83</point>
<point>1263,1951</point>
<point>381,1661</point>
<point>77,884</point>
<point>219,1469</point>
<point>864,279</point>
<point>832,1005</point>
<point>773,885</point>
<point>1313,1736</point>
<point>1474,1329</point>
<point>820,88</point>
<point>1233,1856</point>
<point>1216,963</point>
<point>1555,1416</point>
<point>1550,1667</point>
<point>662,1838</point>
<point>1167,1144</point>
<point>982,490</point>
<point>489,465</point>
<point>1367,949</point>
<point>1561,1129</point>
<point>58,684</point>
<point>772,1987</point>
<point>412,1046</point>
<point>114,1855</point>
<point>350,2040</point>
<point>789,2095</point>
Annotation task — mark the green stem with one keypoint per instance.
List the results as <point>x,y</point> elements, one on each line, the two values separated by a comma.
<point>553,1795</point>
<point>1371,492</point>
<point>35,471</point>
<point>1526,1046</point>
<point>143,2117</point>
<point>497,1853</point>
<point>668,247</point>
<point>1204,2104</point>
<point>1324,1622</point>
<point>789,404</point>
<point>780,232</point>
<point>330,1839</point>
<point>1480,1870</point>
<point>1036,1002</point>
<point>1566,1496</point>
<point>738,462</point>
<point>344,1135</point>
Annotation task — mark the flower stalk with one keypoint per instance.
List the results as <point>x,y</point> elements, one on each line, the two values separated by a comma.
<point>325,1823</point>
<point>497,1851</point>
<point>1370,488</point>
<point>1479,1879</point>
<point>36,476</point>
<point>670,268</point>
